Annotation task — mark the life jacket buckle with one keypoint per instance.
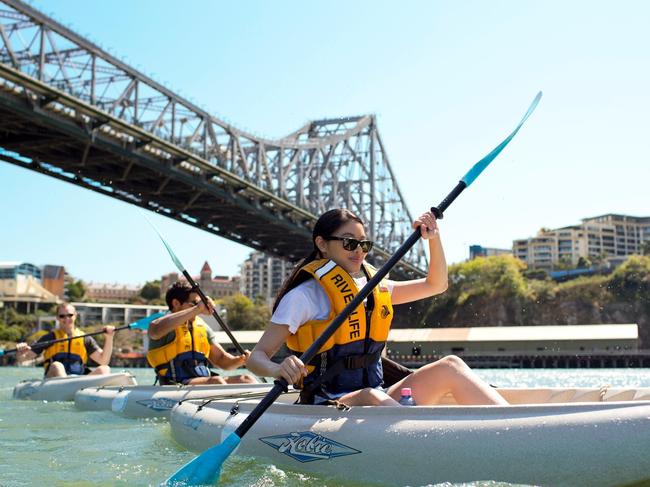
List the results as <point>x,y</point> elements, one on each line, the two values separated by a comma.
<point>355,362</point>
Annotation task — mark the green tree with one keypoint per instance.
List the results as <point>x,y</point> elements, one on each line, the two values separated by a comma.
<point>598,259</point>
<point>76,290</point>
<point>244,314</point>
<point>11,333</point>
<point>538,274</point>
<point>499,276</point>
<point>151,290</point>
<point>583,263</point>
<point>15,326</point>
<point>631,280</point>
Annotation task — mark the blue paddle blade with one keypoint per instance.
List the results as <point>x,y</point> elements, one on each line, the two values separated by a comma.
<point>477,169</point>
<point>177,262</point>
<point>143,324</point>
<point>2,352</point>
<point>206,468</point>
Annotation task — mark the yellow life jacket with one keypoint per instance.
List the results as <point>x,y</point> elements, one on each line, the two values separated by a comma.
<point>178,360</point>
<point>71,353</point>
<point>351,357</point>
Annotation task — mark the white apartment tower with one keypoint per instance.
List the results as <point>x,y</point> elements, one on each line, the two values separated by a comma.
<point>263,275</point>
<point>609,237</point>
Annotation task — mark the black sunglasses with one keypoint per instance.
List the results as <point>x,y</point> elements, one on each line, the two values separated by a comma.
<point>68,315</point>
<point>352,243</point>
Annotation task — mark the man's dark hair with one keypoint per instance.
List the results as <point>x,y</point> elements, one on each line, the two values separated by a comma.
<point>180,290</point>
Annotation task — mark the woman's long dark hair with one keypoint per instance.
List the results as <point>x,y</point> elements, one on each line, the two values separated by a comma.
<point>328,223</point>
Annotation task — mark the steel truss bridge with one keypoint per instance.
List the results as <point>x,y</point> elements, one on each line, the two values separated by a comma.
<point>70,110</point>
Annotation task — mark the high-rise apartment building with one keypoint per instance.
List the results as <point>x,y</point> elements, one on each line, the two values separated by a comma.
<point>263,275</point>
<point>608,237</point>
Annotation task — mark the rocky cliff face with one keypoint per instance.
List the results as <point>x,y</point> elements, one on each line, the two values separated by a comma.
<point>496,291</point>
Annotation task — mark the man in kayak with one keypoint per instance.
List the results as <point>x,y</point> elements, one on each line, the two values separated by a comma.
<point>182,346</point>
<point>69,357</point>
<point>348,367</point>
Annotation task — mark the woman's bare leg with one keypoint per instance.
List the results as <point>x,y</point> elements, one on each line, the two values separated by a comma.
<point>368,397</point>
<point>241,379</point>
<point>449,374</point>
<point>215,379</point>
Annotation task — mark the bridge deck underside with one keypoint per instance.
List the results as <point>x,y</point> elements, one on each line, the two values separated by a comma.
<point>65,150</point>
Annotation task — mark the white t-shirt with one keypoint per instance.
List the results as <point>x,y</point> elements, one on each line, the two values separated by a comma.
<point>308,301</point>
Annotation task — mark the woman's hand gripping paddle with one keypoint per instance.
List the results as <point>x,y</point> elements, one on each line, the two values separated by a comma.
<point>142,324</point>
<point>206,468</point>
<point>196,288</point>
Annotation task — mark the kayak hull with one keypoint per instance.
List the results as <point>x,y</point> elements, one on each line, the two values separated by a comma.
<point>155,401</point>
<point>152,401</point>
<point>563,443</point>
<point>64,388</point>
<point>98,398</point>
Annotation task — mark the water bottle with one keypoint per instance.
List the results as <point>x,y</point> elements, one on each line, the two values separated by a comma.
<point>406,399</point>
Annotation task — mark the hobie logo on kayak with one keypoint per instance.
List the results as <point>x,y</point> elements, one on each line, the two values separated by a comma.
<point>158,404</point>
<point>306,446</point>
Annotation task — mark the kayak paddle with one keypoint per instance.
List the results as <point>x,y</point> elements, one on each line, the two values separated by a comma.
<point>196,288</point>
<point>142,324</point>
<point>206,468</point>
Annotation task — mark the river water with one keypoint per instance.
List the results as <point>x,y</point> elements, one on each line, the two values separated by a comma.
<point>53,444</point>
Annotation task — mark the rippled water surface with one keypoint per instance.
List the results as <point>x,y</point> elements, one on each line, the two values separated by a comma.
<point>53,444</point>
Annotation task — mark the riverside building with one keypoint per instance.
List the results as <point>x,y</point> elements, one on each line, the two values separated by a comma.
<point>555,346</point>
<point>21,287</point>
<point>480,251</point>
<point>214,286</point>
<point>608,237</point>
<point>111,293</point>
<point>263,275</point>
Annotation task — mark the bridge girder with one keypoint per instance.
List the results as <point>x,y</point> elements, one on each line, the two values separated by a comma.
<point>77,113</point>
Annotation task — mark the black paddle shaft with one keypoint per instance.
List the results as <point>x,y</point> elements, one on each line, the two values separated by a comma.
<point>52,342</point>
<point>281,384</point>
<point>224,327</point>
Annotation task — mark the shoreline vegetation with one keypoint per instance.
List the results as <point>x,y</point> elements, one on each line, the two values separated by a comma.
<point>486,291</point>
<point>493,291</point>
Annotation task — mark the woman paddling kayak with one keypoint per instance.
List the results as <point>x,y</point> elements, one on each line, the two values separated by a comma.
<point>348,368</point>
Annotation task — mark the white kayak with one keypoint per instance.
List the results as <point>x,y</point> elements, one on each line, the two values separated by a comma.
<point>554,437</point>
<point>157,401</point>
<point>64,388</point>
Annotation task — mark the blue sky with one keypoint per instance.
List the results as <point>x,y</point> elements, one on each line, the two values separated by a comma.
<point>448,80</point>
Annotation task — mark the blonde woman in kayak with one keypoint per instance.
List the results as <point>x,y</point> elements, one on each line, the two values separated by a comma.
<point>348,368</point>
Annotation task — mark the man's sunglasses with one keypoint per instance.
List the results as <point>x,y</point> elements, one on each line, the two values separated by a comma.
<point>352,243</point>
<point>68,315</point>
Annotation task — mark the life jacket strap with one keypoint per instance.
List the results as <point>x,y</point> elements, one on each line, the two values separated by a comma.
<point>360,361</point>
